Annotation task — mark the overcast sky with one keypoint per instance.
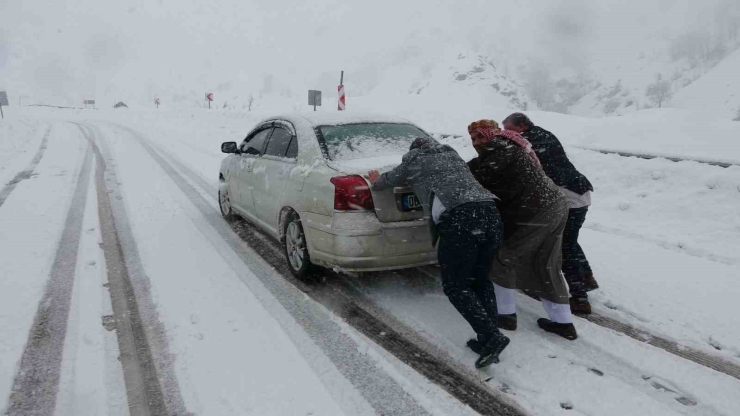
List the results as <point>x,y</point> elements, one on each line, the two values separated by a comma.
<point>70,48</point>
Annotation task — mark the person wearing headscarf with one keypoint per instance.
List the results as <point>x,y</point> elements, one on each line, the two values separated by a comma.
<point>534,212</point>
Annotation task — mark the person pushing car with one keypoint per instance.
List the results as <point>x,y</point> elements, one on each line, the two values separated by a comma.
<point>468,226</point>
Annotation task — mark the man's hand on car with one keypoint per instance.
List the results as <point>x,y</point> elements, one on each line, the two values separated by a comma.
<point>373,176</point>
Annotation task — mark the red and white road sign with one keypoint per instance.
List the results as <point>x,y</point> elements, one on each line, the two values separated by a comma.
<point>157,101</point>
<point>209,96</point>
<point>342,101</point>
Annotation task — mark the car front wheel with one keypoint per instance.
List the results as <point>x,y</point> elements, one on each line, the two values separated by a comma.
<point>296,248</point>
<point>224,201</point>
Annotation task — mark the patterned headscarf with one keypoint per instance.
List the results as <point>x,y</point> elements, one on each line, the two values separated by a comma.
<point>490,129</point>
<point>483,123</point>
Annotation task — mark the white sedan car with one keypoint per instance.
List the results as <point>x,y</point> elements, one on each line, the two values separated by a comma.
<point>300,178</point>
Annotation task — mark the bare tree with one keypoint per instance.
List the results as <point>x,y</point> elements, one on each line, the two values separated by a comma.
<point>250,101</point>
<point>659,91</point>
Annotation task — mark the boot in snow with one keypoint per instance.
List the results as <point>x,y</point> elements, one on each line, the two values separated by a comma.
<point>475,345</point>
<point>589,282</point>
<point>567,331</point>
<point>507,322</point>
<point>490,352</point>
<point>580,305</point>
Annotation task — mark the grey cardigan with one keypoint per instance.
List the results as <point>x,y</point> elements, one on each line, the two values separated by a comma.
<point>435,170</point>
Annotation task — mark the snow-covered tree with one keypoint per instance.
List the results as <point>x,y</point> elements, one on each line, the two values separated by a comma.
<point>727,20</point>
<point>250,101</point>
<point>737,117</point>
<point>659,91</point>
<point>612,105</point>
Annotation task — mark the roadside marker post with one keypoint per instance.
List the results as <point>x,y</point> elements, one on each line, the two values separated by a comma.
<point>209,98</point>
<point>342,104</point>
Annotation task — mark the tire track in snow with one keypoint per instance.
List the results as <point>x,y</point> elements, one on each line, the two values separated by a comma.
<point>36,383</point>
<point>26,173</point>
<point>394,338</point>
<point>688,353</point>
<point>674,247</point>
<point>145,394</point>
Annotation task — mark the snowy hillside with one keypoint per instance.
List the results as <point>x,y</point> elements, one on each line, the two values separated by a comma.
<point>718,91</point>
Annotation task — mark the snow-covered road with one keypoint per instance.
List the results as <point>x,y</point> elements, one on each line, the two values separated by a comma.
<point>125,292</point>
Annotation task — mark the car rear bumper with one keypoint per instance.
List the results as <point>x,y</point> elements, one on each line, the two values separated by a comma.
<point>368,264</point>
<point>357,241</point>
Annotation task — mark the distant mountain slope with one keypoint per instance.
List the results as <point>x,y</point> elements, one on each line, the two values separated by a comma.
<point>717,91</point>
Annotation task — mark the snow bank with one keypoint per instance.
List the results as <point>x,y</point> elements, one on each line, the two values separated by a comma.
<point>717,92</point>
<point>19,141</point>
<point>666,132</point>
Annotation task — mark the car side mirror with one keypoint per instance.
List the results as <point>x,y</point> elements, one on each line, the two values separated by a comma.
<point>252,151</point>
<point>229,147</point>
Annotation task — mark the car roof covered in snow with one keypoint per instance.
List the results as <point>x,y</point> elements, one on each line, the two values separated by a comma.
<point>338,118</point>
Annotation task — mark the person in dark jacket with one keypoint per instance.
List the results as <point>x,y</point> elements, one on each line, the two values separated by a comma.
<point>534,211</point>
<point>464,216</point>
<point>578,190</point>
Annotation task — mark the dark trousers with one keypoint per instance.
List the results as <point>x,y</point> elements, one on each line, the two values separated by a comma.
<point>469,237</point>
<point>575,264</point>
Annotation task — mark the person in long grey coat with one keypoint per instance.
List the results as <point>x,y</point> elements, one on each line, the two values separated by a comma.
<point>464,217</point>
<point>577,189</point>
<point>534,212</point>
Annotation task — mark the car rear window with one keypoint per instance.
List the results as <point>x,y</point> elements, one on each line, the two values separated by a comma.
<point>357,141</point>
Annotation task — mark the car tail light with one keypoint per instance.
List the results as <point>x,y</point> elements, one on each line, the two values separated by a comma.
<point>351,193</point>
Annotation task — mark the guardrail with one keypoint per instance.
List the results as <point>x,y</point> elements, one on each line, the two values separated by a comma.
<point>624,154</point>
<point>649,156</point>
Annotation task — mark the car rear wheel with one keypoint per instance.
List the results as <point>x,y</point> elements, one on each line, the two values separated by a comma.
<point>296,247</point>
<point>224,201</point>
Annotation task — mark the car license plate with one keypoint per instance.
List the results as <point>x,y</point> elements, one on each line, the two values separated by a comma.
<point>410,202</point>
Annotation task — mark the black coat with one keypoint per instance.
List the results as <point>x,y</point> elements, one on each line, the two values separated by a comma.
<point>555,162</point>
<point>523,189</point>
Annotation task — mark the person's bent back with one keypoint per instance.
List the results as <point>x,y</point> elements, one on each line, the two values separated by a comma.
<point>464,215</point>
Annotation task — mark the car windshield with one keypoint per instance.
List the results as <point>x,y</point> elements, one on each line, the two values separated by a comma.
<point>359,141</point>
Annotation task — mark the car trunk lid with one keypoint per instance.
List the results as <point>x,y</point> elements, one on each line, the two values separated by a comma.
<point>355,149</point>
